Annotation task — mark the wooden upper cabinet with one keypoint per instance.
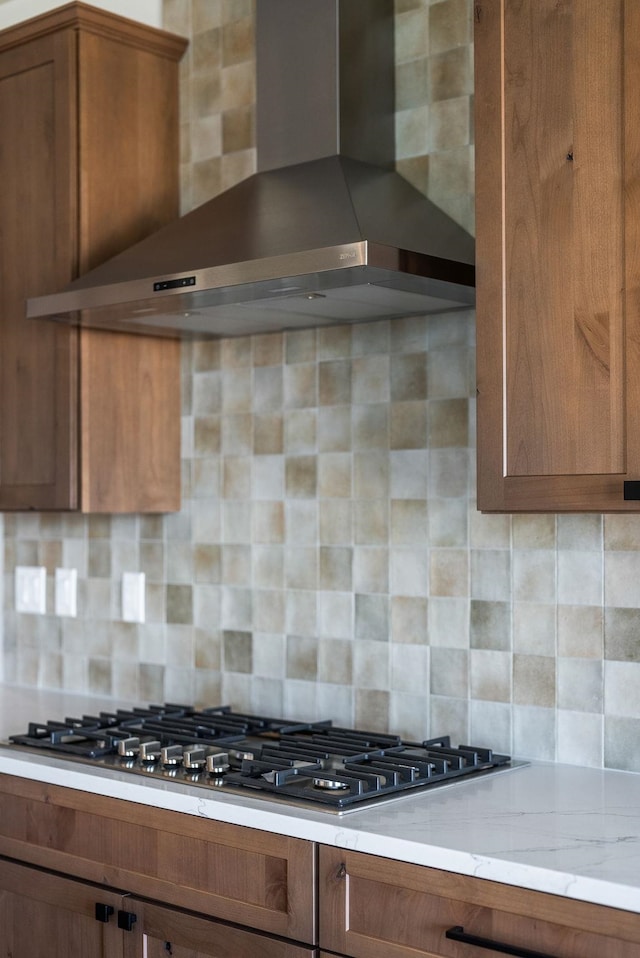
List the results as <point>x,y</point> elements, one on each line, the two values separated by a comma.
<point>89,165</point>
<point>558,254</point>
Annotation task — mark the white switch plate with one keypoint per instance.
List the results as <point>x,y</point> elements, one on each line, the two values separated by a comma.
<point>67,592</point>
<point>31,589</point>
<point>133,606</point>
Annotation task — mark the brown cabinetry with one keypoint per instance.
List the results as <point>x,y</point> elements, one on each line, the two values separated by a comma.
<point>201,887</point>
<point>378,908</point>
<point>557,240</point>
<point>88,164</point>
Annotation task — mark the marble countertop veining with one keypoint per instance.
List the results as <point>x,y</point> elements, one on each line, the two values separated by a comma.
<point>561,829</point>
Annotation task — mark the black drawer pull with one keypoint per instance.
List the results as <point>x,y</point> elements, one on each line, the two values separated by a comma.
<point>458,934</point>
<point>631,489</point>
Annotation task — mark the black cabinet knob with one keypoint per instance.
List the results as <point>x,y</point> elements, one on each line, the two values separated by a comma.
<point>126,920</point>
<point>103,912</point>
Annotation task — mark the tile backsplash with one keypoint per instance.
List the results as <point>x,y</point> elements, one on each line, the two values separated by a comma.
<point>329,558</point>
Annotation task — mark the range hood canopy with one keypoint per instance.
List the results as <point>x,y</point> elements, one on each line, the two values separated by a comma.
<point>325,232</point>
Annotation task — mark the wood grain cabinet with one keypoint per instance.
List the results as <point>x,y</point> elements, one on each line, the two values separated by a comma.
<point>88,165</point>
<point>177,884</point>
<point>373,907</point>
<point>558,254</point>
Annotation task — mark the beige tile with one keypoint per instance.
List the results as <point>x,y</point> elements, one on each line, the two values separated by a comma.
<point>371,521</point>
<point>412,83</point>
<point>179,599</point>
<point>268,349</point>
<point>411,33</point>
<point>408,425</point>
<point>300,346</point>
<point>450,121</point>
<point>301,476</point>
<point>301,567</point>
<point>334,382</point>
<point>335,661</point>
<point>300,431</point>
<point>268,522</point>
<point>409,522</point>
<point>448,422</point>
<point>409,620</point>
<point>237,651</point>
<point>238,41</point>
<point>207,435</point>
<point>336,568</point>
<point>334,475</point>
<point>450,25</point>
<point>300,386</point>
<point>370,426</point>
<point>237,131</point>
<point>370,379</point>
<point>580,630</point>
<point>451,75</point>
<point>372,709</point>
<point>534,680</point>
<point>334,429</point>
<point>371,573</point>
<point>448,572</point>
<point>302,658</point>
<point>268,435</point>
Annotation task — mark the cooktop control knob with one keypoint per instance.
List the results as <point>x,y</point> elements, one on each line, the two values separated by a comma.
<point>218,763</point>
<point>194,758</point>
<point>149,752</point>
<point>171,755</point>
<point>128,747</point>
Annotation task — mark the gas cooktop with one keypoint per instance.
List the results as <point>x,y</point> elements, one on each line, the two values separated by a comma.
<point>304,763</point>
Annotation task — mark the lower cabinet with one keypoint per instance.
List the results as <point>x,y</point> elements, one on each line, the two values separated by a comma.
<point>45,915</point>
<point>378,908</point>
<point>82,876</point>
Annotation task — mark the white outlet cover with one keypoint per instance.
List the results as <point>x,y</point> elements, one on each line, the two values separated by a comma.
<point>133,595</point>
<point>31,589</point>
<point>67,592</point>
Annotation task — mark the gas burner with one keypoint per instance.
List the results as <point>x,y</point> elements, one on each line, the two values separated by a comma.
<point>302,763</point>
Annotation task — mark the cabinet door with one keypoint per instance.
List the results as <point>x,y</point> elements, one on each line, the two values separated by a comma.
<point>42,914</point>
<point>557,240</point>
<point>38,360</point>
<point>373,907</point>
<point>236,874</point>
<point>160,932</point>
<point>88,166</point>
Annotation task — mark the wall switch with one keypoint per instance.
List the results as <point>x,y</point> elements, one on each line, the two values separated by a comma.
<point>67,592</point>
<point>31,589</point>
<point>133,606</point>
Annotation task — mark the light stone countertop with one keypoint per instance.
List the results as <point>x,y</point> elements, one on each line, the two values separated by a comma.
<point>561,829</point>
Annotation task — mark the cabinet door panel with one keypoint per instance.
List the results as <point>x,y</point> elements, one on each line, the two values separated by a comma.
<point>38,382</point>
<point>46,915</point>
<point>378,908</point>
<point>240,875</point>
<point>557,215</point>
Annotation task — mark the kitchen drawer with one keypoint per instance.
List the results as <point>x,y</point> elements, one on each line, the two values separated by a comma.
<point>238,874</point>
<point>378,908</point>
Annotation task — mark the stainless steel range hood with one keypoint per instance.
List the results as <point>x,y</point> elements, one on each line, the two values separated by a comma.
<point>325,232</point>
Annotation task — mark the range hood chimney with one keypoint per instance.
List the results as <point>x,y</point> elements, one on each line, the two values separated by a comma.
<point>325,232</point>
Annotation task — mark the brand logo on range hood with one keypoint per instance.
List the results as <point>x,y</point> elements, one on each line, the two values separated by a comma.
<point>174,283</point>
